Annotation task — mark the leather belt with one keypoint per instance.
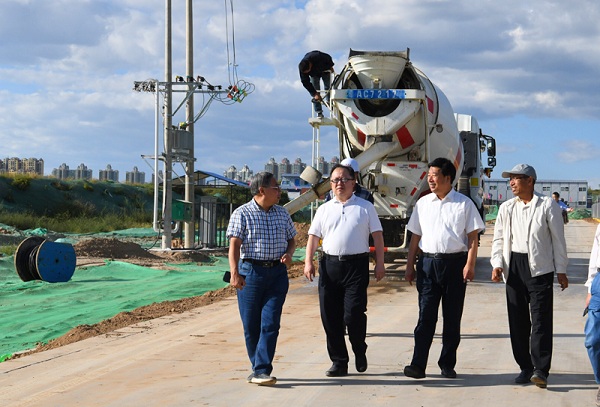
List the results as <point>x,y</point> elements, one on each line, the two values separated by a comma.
<point>263,263</point>
<point>444,255</point>
<point>345,257</point>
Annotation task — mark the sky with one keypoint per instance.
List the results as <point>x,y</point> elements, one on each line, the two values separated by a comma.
<point>528,70</point>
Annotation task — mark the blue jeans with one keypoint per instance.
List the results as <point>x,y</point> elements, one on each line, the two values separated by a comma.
<point>260,303</point>
<point>316,82</point>
<point>592,329</point>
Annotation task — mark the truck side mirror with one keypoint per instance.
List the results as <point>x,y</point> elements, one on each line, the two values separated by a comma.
<point>491,147</point>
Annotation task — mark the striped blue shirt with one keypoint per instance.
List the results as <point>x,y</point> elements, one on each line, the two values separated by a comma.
<point>264,235</point>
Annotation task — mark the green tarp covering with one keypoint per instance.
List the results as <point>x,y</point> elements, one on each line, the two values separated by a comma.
<point>37,311</point>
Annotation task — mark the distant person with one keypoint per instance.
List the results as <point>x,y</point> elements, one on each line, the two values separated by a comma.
<point>314,67</point>
<point>563,206</point>
<point>445,225</point>
<point>261,244</point>
<point>359,190</point>
<point>592,303</point>
<point>344,223</point>
<point>527,249</point>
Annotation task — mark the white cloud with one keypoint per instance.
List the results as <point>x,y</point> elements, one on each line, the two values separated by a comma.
<point>579,150</point>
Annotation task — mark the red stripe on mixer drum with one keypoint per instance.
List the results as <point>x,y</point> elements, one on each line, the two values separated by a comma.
<point>361,137</point>
<point>430,104</point>
<point>404,137</point>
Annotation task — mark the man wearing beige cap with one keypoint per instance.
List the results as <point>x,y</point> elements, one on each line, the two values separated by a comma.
<point>528,248</point>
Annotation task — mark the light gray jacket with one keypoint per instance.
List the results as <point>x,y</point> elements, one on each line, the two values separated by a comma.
<point>547,250</point>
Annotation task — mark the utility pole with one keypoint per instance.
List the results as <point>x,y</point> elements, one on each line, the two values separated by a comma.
<point>167,112</point>
<point>189,229</point>
<point>178,143</point>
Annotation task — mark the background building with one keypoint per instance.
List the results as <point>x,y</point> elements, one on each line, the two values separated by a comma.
<point>273,168</point>
<point>574,193</point>
<point>63,172</point>
<point>284,167</point>
<point>108,174</point>
<point>22,166</point>
<point>135,176</point>
<point>242,175</point>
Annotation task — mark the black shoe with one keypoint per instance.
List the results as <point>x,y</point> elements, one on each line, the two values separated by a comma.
<point>361,363</point>
<point>540,379</point>
<point>524,377</point>
<point>414,371</point>
<point>448,373</point>
<point>337,371</point>
<point>320,115</point>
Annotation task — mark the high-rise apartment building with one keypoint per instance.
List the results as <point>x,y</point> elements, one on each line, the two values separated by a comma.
<point>135,176</point>
<point>108,174</point>
<point>63,172</point>
<point>231,172</point>
<point>284,167</point>
<point>272,167</point>
<point>245,174</point>
<point>17,165</point>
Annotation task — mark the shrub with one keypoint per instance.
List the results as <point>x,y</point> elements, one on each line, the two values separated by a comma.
<point>21,182</point>
<point>61,186</point>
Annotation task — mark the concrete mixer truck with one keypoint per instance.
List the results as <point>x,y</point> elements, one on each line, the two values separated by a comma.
<point>393,121</point>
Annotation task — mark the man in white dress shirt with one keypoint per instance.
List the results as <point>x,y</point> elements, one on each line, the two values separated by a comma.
<point>445,225</point>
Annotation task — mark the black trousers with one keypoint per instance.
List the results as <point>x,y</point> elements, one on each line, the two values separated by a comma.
<point>439,280</point>
<point>530,303</point>
<point>343,301</point>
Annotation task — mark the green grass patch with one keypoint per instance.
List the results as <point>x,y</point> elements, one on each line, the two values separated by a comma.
<point>83,223</point>
<point>8,250</point>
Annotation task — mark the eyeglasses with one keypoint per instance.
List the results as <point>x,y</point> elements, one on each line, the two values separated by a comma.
<point>342,180</point>
<point>277,188</point>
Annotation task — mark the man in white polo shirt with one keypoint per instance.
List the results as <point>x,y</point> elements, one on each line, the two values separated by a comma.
<point>344,223</point>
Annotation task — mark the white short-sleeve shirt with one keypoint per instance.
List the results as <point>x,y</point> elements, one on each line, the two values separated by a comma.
<point>444,224</point>
<point>345,227</point>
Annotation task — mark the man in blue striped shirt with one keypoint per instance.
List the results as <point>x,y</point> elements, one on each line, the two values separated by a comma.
<point>261,244</point>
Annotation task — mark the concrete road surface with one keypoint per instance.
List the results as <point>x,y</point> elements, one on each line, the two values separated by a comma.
<point>198,358</point>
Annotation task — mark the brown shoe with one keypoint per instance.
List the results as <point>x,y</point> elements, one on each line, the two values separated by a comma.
<point>540,379</point>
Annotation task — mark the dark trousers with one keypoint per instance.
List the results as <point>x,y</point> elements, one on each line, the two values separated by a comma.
<point>343,301</point>
<point>439,280</point>
<point>529,300</point>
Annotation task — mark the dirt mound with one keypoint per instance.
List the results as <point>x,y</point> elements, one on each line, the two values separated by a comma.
<point>111,248</point>
<point>302,236</point>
